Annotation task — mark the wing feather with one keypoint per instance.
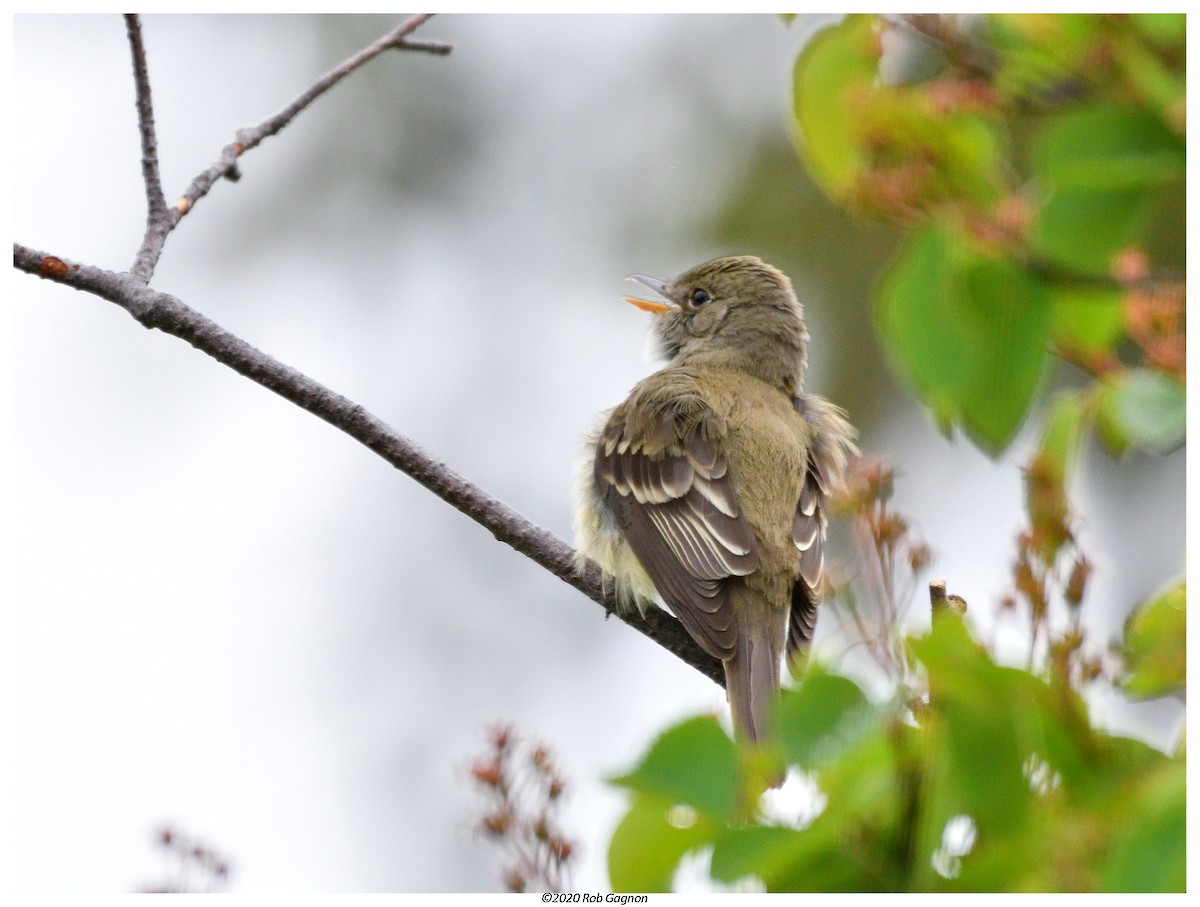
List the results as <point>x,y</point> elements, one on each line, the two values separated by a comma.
<point>659,466</point>
<point>831,442</point>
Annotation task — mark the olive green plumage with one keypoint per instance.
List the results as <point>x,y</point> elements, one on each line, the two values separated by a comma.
<point>708,486</point>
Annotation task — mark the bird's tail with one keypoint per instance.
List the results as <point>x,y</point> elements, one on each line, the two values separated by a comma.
<point>752,676</point>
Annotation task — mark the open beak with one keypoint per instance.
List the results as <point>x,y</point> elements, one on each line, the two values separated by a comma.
<point>646,305</point>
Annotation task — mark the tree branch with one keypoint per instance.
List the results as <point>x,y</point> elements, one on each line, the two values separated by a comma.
<point>157,310</point>
<point>161,311</point>
<point>158,218</point>
<point>158,229</point>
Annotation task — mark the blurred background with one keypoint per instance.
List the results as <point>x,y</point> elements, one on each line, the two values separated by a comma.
<point>228,618</point>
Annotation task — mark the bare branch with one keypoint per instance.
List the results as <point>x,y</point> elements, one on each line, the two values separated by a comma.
<point>162,219</point>
<point>158,219</point>
<point>154,309</point>
<point>247,138</point>
<point>161,311</point>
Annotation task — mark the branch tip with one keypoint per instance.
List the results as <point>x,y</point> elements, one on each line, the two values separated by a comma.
<point>247,138</point>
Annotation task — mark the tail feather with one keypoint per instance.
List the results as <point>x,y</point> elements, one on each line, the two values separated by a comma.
<point>752,681</point>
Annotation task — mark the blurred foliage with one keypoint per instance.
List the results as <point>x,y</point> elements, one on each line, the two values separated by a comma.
<point>1155,645</point>
<point>995,781</point>
<point>973,776</point>
<point>971,330</point>
<point>1033,168</point>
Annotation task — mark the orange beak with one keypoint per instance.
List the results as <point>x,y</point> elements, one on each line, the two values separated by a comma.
<point>654,308</point>
<point>658,286</point>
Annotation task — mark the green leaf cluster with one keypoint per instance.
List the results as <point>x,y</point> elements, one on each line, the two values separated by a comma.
<point>1051,803</point>
<point>1034,153</point>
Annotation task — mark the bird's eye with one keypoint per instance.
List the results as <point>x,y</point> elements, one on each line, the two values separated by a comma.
<point>698,298</point>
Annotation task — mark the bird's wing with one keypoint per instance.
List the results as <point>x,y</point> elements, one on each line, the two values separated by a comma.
<point>659,468</point>
<point>831,442</point>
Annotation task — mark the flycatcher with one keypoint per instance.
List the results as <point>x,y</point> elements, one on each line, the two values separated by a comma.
<point>707,489</point>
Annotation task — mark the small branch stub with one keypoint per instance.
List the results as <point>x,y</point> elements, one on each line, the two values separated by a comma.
<point>941,602</point>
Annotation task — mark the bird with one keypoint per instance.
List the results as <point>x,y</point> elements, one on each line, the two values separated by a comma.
<point>708,488</point>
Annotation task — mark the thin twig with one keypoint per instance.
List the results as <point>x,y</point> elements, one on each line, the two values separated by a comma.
<point>947,33</point>
<point>248,138</point>
<point>158,218</point>
<point>159,226</point>
<point>154,309</point>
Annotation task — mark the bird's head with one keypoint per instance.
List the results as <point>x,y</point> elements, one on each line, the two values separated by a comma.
<point>735,312</point>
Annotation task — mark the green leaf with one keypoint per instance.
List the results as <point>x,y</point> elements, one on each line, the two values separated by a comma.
<point>1087,320</point>
<point>1084,229</point>
<point>1155,645</point>
<point>1144,409</point>
<point>767,852</point>
<point>831,77</point>
<point>1167,29</point>
<point>820,719</point>
<point>694,763</point>
<point>1149,852</point>
<point>853,845</point>
<point>815,859</point>
<point>1096,166</point>
<point>968,331</point>
<point>651,840</point>
<point>981,737</point>
<point>1104,147</point>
